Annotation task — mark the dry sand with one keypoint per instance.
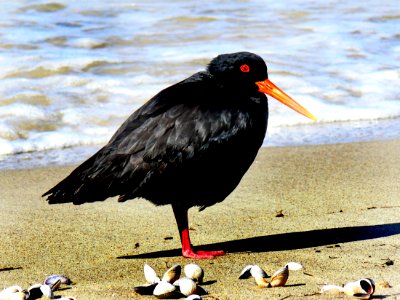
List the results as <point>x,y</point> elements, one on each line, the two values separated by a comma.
<point>341,207</point>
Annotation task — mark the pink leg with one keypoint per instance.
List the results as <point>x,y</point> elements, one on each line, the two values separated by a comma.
<point>183,227</point>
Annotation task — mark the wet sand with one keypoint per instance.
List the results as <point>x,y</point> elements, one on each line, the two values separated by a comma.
<point>341,220</point>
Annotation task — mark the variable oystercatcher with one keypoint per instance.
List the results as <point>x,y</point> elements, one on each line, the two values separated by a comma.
<point>187,146</point>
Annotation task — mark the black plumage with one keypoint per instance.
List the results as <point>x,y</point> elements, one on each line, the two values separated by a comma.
<point>188,146</point>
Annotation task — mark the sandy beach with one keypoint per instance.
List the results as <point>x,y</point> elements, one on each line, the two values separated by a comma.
<point>339,208</point>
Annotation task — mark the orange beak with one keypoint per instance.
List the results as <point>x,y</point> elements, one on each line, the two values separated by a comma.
<point>267,87</point>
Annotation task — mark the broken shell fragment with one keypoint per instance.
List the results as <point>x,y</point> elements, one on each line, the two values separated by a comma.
<point>280,277</point>
<point>164,290</point>
<point>150,274</point>
<point>172,274</point>
<point>194,272</point>
<point>187,286</point>
<point>145,289</point>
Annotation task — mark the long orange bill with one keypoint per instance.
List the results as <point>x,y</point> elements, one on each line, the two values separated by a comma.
<point>267,87</point>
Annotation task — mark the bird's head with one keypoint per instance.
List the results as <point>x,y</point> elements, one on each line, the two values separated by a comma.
<point>248,72</point>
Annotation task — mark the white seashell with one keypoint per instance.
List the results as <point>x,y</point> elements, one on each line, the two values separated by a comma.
<point>294,266</point>
<point>245,272</point>
<point>280,277</point>
<point>172,274</point>
<point>194,297</point>
<point>150,274</point>
<point>262,282</point>
<point>23,295</point>
<point>145,289</point>
<point>47,291</point>
<point>5,293</point>
<point>330,288</point>
<point>52,280</point>
<point>164,290</point>
<point>201,291</point>
<point>194,272</point>
<point>257,272</point>
<point>35,292</point>
<point>187,286</point>
<point>361,289</point>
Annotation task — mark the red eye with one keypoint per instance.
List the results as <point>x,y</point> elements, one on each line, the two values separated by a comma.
<point>244,68</point>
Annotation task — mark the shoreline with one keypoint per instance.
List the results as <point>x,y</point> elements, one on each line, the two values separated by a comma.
<point>340,206</point>
<point>308,134</point>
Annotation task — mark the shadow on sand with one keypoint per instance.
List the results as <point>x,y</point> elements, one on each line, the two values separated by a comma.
<point>289,241</point>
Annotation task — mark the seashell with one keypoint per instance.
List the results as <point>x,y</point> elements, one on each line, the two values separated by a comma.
<point>10,290</point>
<point>245,272</point>
<point>47,291</point>
<point>294,266</point>
<point>22,295</point>
<point>280,277</point>
<point>257,272</point>
<point>145,289</point>
<point>194,272</point>
<point>54,281</point>
<point>187,286</point>
<point>332,289</point>
<point>262,282</point>
<point>164,289</point>
<point>194,297</point>
<point>172,274</point>
<point>201,291</point>
<point>361,289</point>
<point>150,274</point>
<point>35,292</point>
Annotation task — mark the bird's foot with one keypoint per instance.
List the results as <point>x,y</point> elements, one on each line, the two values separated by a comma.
<point>190,253</point>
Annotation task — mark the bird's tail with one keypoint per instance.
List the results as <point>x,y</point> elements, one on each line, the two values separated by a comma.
<point>87,183</point>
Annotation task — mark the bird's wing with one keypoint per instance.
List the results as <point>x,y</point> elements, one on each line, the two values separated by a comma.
<point>164,133</point>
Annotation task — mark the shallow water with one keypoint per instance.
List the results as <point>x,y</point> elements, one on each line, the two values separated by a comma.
<point>72,71</point>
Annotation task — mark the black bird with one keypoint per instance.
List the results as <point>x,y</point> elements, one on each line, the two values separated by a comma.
<point>187,146</point>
